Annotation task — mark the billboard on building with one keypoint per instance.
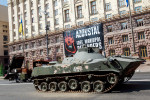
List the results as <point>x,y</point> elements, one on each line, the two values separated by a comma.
<point>89,36</point>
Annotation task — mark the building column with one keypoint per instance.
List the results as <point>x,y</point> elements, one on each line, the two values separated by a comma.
<point>11,31</point>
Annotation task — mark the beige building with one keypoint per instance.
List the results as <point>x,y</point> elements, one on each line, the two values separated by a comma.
<point>4,36</point>
<point>68,14</point>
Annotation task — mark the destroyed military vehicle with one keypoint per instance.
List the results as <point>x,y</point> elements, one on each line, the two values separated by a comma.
<point>87,71</point>
<point>19,74</point>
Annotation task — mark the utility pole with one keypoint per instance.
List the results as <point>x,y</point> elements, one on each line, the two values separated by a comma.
<point>131,27</point>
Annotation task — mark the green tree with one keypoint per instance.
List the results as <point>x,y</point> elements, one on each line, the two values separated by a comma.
<point>1,69</point>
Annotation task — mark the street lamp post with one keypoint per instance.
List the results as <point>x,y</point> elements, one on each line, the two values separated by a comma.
<point>46,28</point>
<point>132,32</point>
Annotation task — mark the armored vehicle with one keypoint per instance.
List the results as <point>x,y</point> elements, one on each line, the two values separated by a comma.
<point>19,74</point>
<point>14,68</point>
<point>87,71</point>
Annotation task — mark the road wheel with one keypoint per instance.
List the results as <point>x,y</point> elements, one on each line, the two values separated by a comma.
<point>44,86</point>
<point>98,86</point>
<point>112,78</point>
<point>62,86</point>
<point>53,86</point>
<point>85,86</point>
<point>73,84</point>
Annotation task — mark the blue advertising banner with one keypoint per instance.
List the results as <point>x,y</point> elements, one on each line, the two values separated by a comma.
<point>89,36</point>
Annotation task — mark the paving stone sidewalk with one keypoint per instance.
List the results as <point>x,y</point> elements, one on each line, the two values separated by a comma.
<point>144,67</point>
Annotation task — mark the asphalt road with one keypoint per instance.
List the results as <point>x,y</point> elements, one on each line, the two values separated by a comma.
<point>136,89</point>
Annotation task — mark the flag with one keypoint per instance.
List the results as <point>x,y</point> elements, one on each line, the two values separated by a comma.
<point>127,1</point>
<point>21,27</point>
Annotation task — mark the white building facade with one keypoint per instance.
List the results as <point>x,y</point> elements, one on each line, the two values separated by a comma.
<point>65,14</point>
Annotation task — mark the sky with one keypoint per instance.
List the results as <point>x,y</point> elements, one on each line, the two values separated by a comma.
<point>3,2</point>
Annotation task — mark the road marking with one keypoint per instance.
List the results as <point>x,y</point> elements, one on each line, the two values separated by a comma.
<point>15,83</point>
<point>140,80</point>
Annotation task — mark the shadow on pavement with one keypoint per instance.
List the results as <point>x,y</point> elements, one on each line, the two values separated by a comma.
<point>132,86</point>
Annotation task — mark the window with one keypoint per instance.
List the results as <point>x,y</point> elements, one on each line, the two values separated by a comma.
<point>14,48</point>
<point>5,46</point>
<point>33,53</point>
<point>94,19</point>
<point>65,0</point>
<point>125,38</point>
<point>39,1</point>
<point>109,28</point>
<point>26,30</point>
<point>108,16</point>
<point>67,26</point>
<point>33,44</point>
<point>123,25</point>
<point>4,26</point>
<point>40,43</point>
<point>111,52</point>
<point>33,28</point>
<point>46,6</point>
<point>93,7</point>
<point>139,22</point>
<point>56,21</point>
<point>55,3</point>
<point>25,7</point>
<point>143,51</point>
<point>48,23</point>
<point>56,12</point>
<point>47,14</point>
<point>57,28</point>
<point>5,38</point>
<point>20,17</point>
<point>49,50</point>
<point>141,35</point>
<point>5,52</point>
<point>26,46</point>
<point>39,10</point>
<point>14,26</point>
<point>110,40</point>
<point>25,14</point>
<point>136,1</point>
<point>32,11</point>
<point>108,6</point>
<point>40,17</point>
<point>57,49</point>
<point>122,12</point>
<point>57,39</point>
<point>31,3</point>
<point>137,9</point>
<point>79,11</point>
<point>41,52</point>
<point>126,51</point>
<point>32,19</point>
<point>40,26</point>
<point>5,31</point>
<point>20,47</point>
<point>67,15</point>
<point>80,23</point>
<point>121,3</point>
<point>26,22</point>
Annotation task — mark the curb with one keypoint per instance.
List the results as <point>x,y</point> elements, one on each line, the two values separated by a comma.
<point>1,78</point>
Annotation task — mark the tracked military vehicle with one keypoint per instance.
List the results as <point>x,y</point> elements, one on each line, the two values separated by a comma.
<point>87,71</point>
